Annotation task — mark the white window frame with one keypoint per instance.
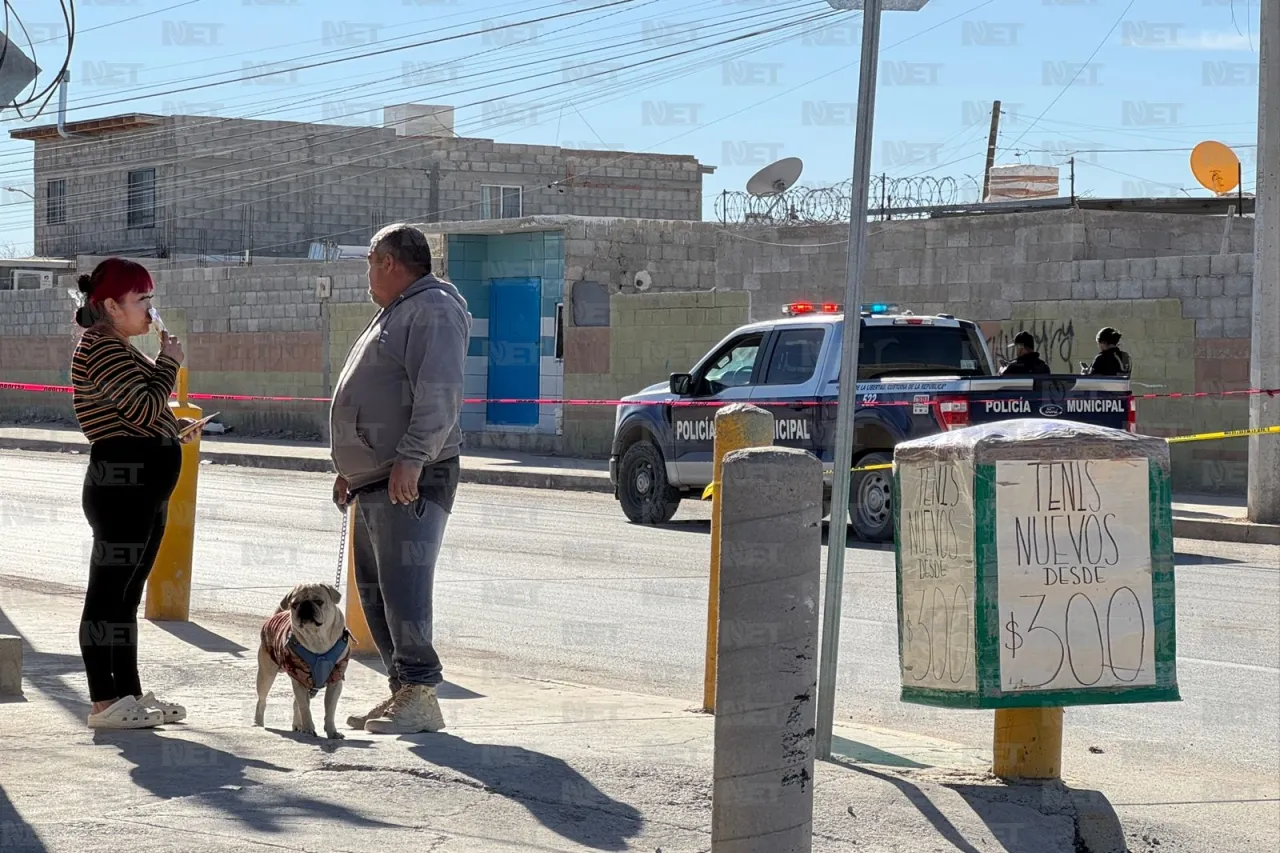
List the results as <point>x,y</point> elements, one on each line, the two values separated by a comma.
<point>487,205</point>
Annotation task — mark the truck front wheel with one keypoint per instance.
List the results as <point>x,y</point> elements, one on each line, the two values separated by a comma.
<point>643,490</point>
<point>871,499</point>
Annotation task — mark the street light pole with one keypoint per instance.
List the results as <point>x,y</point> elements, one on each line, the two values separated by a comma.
<point>843,462</point>
<point>1264,410</point>
<point>829,654</point>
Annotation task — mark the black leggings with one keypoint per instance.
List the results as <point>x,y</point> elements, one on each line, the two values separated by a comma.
<point>126,501</point>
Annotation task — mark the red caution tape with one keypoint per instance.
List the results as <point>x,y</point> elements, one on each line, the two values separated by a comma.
<point>66,389</point>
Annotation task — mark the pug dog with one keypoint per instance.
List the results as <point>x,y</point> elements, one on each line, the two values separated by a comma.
<point>307,637</point>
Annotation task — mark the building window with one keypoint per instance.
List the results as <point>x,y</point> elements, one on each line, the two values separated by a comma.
<point>142,198</point>
<point>56,198</point>
<point>498,202</point>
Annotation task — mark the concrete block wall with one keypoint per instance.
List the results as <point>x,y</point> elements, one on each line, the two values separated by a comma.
<point>258,331</point>
<point>649,337</point>
<point>934,265</point>
<point>274,187</point>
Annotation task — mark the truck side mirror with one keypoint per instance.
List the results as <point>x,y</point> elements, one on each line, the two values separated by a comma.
<point>681,383</point>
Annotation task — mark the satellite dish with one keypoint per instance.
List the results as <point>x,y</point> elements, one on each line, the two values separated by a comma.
<point>1216,167</point>
<point>643,280</point>
<point>776,178</point>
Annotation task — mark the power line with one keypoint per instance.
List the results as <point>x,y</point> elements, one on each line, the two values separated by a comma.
<point>222,176</point>
<point>1076,76</point>
<point>626,88</point>
<point>69,17</point>
<point>366,55</point>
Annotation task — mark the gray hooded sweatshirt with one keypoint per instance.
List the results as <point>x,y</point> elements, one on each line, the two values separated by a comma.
<point>400,393</point>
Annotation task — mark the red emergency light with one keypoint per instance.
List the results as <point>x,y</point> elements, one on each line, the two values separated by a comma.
<point>810,308</point>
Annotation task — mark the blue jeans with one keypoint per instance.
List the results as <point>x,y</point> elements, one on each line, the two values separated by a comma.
<point>396,547</point>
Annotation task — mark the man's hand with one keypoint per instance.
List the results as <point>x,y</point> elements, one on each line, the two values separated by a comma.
<point>341,492</point>
<point>403,488</point>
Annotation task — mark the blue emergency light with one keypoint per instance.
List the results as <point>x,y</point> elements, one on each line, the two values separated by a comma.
<point>880,308</point>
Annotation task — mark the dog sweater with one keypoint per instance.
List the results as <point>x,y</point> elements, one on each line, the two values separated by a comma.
<point>309,669</point>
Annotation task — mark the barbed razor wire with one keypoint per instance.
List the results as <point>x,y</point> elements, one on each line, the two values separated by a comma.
<point>888,198</point>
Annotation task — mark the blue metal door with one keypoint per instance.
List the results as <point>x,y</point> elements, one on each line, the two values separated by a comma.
<point>515,331</point>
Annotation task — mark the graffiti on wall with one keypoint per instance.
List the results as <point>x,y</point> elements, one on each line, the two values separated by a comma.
<point>1055,340</point>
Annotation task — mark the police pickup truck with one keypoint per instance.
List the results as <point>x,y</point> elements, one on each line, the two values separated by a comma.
<point>917,375</point>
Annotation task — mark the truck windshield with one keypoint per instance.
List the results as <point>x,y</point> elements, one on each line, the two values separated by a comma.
<point>920,351</point>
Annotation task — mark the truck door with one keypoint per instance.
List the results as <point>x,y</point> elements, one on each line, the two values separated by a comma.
<point>727,376</point>
<point>790,376</point>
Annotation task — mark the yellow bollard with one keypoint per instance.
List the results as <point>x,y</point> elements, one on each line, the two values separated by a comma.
<point>169,585</point>
<point>738,426</point>
<point>356,622</point>
<point>1028,744</point>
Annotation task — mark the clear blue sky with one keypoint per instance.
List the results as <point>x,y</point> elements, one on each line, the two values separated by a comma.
<point>1163,74</point>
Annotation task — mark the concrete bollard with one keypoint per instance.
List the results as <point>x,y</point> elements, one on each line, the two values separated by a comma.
<point>770,571</point>
<point>10,666</point>
<point>169,584</point>
<point>737,426</point>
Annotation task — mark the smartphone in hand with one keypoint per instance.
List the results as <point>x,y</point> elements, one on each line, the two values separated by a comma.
<point>183,433</point>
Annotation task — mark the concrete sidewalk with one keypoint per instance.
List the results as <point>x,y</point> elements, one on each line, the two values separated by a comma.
<point>524,764</point>
<point>1195,517</point>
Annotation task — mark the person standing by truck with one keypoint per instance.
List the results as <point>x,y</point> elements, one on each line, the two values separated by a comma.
<point>1026,359</point>
<point>1110,360</point>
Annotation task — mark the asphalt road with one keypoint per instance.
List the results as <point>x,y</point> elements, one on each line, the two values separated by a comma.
<point>523,585</point>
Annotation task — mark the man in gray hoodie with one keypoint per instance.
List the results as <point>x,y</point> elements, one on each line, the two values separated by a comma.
<point>395,442</point>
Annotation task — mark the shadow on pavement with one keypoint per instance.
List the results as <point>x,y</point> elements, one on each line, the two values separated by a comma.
<point>930,812</point>
<point>852,752</point>
<point>1004,807</point>
<point>445,690</point>
<point>703,526</point>
<point>172,768</point>
<point>47,673</point>
<point>15,833</point>
<point>202,638</point>
<point>1203,560</point>
<point>559,797</point>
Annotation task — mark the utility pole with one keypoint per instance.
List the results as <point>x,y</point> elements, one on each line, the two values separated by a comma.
<point>1264,355</point>
<point>991,150</point>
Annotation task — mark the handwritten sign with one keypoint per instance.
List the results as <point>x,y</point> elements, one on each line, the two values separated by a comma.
<point>1073,544</point>
<point>936,569</point>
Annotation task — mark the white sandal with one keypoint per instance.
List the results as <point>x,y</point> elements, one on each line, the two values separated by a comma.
<point>171,712</point>
<point>126,713</point>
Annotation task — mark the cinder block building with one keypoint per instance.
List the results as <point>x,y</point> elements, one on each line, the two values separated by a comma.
<point>182,186</point>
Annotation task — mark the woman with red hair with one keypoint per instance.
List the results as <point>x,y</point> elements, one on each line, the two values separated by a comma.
<point>122,404</point>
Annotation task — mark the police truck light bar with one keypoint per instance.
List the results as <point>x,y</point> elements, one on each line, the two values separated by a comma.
<point>797,308</point>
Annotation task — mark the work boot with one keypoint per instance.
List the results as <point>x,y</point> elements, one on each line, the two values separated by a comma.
<point>413,709</point>
<point>358,722</point>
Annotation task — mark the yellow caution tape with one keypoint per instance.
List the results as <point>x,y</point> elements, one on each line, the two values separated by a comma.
<point>1212,436</point>
<point>709,491</point>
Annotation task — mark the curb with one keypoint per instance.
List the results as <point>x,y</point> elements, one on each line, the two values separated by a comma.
<point>478,476</point>
<point>1226,531</point>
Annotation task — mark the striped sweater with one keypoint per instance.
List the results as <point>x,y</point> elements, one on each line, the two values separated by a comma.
<point>119,392</point>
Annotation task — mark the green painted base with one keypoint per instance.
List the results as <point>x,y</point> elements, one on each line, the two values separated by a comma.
<point>1046,699</point>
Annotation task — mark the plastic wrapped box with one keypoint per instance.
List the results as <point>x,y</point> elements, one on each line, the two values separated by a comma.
<point>1035,566</point>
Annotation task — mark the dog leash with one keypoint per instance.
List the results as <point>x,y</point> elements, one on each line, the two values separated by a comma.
<point>342,550</point>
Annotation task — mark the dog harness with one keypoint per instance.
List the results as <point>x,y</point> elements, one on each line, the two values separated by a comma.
<point>308,668</point>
